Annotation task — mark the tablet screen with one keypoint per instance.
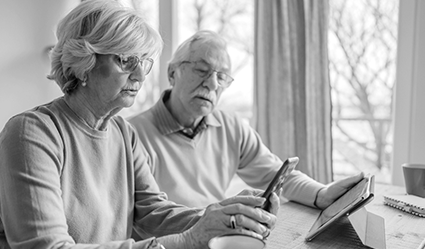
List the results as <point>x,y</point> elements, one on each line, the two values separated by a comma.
<point>357,196</point>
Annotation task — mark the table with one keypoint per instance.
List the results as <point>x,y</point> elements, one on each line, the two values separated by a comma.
<point>402,230</point>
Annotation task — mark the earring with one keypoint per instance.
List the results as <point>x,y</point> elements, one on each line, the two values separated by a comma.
<point>84,82</point>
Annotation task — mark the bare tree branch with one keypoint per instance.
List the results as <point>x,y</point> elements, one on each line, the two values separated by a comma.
<point>365,65</point>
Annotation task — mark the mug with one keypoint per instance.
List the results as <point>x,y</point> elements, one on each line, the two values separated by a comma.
<point>414,178</point>
<point>236,241</point>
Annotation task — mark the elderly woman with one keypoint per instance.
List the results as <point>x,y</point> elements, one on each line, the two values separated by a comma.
<point>72,174</point>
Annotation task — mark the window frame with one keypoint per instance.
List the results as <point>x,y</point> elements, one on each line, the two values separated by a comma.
<point>409,114</point>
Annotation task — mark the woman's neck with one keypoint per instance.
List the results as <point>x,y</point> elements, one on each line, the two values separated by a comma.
<point>94,118</point>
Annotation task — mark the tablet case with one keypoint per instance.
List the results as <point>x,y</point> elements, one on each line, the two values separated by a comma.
<point>342,208</point>
<point>408,203</point>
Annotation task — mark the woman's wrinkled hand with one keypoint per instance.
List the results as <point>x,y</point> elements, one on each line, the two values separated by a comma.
<point>248,219</point>
<point>274,199</point>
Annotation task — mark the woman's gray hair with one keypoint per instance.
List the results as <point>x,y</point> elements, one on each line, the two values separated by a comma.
<point>98,27</point>
<point>184,51</point>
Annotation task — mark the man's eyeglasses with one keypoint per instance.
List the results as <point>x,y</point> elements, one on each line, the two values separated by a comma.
<point>129,63</point>
<point>204,71</point>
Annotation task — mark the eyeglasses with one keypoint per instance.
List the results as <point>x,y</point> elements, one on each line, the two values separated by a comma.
<point>204,71</point>
<point>129,63</point>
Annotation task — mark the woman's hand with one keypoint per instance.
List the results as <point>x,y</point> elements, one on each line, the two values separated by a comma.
<point>249,220</point>
<point>274,199</point>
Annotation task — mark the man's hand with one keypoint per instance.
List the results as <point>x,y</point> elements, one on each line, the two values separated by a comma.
<point>327,195</point>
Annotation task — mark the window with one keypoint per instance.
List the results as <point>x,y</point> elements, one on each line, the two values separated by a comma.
<point>362,63</point>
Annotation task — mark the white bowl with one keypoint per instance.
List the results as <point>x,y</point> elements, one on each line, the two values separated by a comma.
<point>236,241</point>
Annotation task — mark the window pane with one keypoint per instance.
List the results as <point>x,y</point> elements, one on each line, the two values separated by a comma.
<point>234,20</point>
<point>362,60</point>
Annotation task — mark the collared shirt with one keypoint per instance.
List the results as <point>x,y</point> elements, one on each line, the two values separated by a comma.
<point>197,172</point>
<point>191,133</point>
<point>167,124</point>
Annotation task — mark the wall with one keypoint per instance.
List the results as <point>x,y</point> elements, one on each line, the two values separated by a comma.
<point>27,28</point>
<point>409,104</point>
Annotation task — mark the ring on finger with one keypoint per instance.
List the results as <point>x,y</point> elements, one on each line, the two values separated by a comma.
<point>267,235</point>
<point>232,221</point>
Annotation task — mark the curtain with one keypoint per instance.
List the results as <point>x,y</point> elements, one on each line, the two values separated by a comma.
<point>292,90</point>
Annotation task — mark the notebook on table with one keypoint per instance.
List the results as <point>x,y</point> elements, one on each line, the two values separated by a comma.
<point>408,203</point>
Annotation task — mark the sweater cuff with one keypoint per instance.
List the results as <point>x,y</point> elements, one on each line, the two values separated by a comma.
<point>301,188</point>
<point>315,199</point>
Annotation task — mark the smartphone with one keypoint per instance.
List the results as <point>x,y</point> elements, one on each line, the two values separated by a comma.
<point>278,180</point>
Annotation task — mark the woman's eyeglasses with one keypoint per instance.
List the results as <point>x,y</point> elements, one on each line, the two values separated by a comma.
<point>129,63</point>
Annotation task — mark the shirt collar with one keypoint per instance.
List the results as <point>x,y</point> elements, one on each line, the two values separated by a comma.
<point>167,124</point>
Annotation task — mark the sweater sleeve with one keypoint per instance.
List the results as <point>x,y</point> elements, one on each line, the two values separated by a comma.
<point>301,188</point>
<point>258,166</point>
<point>30,194</point>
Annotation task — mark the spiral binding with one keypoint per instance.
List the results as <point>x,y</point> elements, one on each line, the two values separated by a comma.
<point>408,208</point>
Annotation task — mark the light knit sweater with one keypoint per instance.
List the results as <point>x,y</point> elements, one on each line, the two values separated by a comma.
<point>65,184</point>
<point>197,172</point>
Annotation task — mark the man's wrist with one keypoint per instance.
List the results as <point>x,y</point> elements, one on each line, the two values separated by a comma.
<point>317,197</point>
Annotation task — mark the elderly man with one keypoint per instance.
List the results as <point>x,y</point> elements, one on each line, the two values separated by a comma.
<point>196,150</point>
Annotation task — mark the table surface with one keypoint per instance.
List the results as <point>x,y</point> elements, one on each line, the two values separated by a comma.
<point>402,230</point>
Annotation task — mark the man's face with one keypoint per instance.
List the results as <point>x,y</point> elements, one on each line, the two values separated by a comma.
<point>196,90</point>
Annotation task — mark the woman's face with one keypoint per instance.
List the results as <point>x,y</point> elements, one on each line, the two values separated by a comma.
<point>109,88</point>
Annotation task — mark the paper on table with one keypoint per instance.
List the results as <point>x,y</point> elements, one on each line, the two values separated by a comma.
<point>422,245</point>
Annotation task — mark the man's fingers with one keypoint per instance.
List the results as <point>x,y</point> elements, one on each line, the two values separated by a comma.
<point>348,182</point>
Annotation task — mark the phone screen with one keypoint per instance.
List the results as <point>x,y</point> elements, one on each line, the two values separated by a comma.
<point>279,179</point>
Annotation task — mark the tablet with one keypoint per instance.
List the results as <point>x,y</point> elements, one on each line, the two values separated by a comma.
<point>355,198</point>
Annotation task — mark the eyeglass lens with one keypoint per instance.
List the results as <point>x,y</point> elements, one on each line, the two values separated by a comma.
<point>129,64</point>
<point>205,72</point>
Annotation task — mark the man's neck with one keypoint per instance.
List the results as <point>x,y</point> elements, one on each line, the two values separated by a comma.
<point>180,116</point>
